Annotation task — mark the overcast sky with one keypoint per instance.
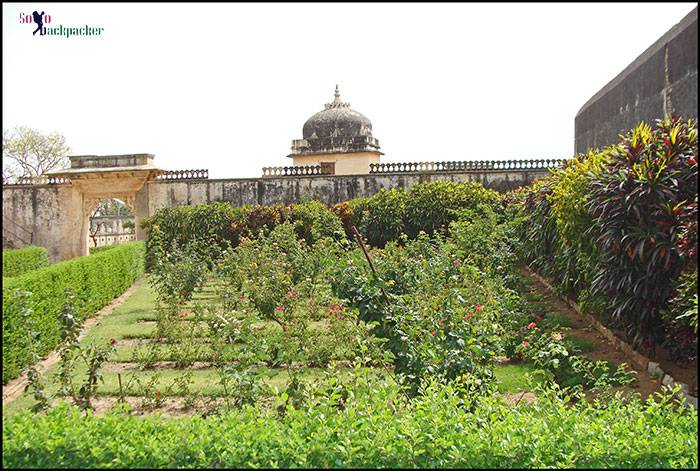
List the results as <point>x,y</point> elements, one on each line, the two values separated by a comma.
<point>228,86</point>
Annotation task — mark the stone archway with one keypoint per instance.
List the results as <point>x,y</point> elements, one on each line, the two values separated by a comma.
<point>95,178</point>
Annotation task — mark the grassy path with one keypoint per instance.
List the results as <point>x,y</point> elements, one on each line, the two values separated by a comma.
<point>13,389</point>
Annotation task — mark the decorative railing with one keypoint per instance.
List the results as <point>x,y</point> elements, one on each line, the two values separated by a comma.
<point>199,174</point>
<point>465,165</point>
<point>292,171</point>
<point>41,180</point>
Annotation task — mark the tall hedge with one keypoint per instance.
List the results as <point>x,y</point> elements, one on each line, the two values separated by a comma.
<point>208,229</point>
<point>95,279</point>
<point>16,262</point>
<point>616,228</point>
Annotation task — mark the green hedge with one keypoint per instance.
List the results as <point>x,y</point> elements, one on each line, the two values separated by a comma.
<point>96,250</point>
<point>17,262</point>
<point>96,279</point>
<point>432,432</point>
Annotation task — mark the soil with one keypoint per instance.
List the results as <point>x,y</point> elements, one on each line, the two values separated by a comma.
<point>170,407</point>
<point>601,348</point>
<point>512,399</point>
<point>13,389</point>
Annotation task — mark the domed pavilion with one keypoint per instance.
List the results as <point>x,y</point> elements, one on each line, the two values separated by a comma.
<point>339,139</point>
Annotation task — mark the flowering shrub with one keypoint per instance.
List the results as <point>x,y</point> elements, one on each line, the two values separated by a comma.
<point>433,326</point>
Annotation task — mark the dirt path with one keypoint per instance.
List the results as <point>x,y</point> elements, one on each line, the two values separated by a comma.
<point>13,389</point>
<point>601,349</point>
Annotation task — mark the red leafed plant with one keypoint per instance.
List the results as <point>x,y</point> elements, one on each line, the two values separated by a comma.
<point>642,201</point>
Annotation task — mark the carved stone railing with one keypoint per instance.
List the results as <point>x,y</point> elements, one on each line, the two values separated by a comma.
<point>465,166</point>
<point>199,174</point>
<point>41,180</point>
<point>292,171</point>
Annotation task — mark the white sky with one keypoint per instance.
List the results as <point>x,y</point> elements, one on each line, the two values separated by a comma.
<point>228,86</point>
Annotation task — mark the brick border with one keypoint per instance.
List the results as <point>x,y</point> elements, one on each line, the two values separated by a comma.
<point>639,360</point>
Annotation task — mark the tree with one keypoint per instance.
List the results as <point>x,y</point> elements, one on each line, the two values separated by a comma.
<point>94,230</point>
<point>27,152</point>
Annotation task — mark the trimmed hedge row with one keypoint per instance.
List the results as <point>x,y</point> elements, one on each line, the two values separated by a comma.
<point>96,280</point>
<point>17,262</point>
<point>96,250</point>
<point>435,431</point>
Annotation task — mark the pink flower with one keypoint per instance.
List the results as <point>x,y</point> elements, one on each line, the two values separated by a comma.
<point>556,336</point>
<point>525,344</point>
<point>241,297</point>
<point>292,294</point>
<point>539,318</point>
<point>279,308</point>
<point>456,262</point>
<point>468,316</point>
<point>532,325</point>
<point>478,307</point>
<point>336,307</point>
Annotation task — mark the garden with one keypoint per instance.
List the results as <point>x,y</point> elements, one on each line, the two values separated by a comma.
<point>399,330</point>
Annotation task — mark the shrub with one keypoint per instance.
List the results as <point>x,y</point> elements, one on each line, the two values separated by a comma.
<point>96,250</point>
<point>638,201</point>
<point>207,230</point>
<point>376,430</point>
<point>17,262</point>
<point>96,280</point>
<point>431,206</point>
<point>616,228</point>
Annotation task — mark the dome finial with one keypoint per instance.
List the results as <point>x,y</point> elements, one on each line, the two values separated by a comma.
<point>336,101</point>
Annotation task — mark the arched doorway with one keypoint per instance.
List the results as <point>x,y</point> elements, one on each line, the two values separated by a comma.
<point>111,223</point>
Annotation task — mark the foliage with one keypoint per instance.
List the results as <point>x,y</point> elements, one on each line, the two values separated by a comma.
<point>376,430</point>
<point>96,280</point>
<point>92,356</point>
<point>427,207</point>
<point>617,227</point>
<point>637,201</point>
<point>17,262</point>
<point>210,229</point>
<point>440,318</point>
<point>681,318</point>
<point>177,273</point>
<point>29,153</point>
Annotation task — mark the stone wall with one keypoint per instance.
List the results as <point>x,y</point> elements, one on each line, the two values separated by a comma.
<point>329,189</point>
<point>662,80</point>
<point>51,213</point>
<point>54,212</point>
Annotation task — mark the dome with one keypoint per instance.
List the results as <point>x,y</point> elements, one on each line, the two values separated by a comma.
<point>337,120</point>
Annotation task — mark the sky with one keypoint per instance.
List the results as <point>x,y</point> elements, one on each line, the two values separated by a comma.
<point>227,87</point>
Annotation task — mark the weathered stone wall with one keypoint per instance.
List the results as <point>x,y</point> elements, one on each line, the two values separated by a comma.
<point>51,212</point>
<point>329,189</point>
<point>54,213</point>
<point>662,80</point>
